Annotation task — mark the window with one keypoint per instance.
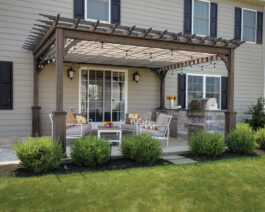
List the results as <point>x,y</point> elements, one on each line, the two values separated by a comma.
<point>203,86</point>
<point>102,95</point>
<point>201,17</point>
<point>195,87</point>
<point>98,10</point>
<point>249,23</point>
<point>6,85</point>
<point>213,88</point>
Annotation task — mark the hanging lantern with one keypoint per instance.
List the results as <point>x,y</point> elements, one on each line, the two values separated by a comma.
<point>136,77</point>
<point>70,73</point>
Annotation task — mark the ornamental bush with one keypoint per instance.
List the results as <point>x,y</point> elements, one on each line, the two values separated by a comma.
<point>90,151</point>
<point>206,143</point>
<point>39,154</point>
<point>241,140</point>
<point>257,113</point>
<point>260,138</point>
<point>141,148</point>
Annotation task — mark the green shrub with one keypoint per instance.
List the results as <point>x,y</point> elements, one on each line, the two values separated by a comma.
<point>241,140</point>
<point>141,148</point>
<point>39,154</point>
<point>206,143</point>
<point>260,138</point>
<point>257,114</point>
<point>90,151</point>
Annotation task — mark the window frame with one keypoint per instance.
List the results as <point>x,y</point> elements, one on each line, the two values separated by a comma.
<point>204,87</point>
<point>91,19</point>
<point>242,25</point>
<point>209,21</point>
<point>89,68</point>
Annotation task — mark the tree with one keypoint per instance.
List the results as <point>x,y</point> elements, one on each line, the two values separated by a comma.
<point>257,113</point>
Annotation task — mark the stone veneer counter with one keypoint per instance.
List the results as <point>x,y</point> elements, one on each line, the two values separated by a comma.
<point>187,122</point>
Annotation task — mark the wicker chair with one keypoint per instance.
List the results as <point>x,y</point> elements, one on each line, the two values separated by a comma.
<point>74,130</point>
<point>145,116</point>
<point>162,126</point>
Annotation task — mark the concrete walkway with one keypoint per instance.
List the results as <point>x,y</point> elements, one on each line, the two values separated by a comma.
<point>177,159</point>
<point>176,146</point>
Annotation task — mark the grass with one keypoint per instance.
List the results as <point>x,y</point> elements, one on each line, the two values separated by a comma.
<point>227,185</point>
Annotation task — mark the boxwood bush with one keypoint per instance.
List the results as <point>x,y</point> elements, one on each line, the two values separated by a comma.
<point>206,143</point>
<point>90,151</point>
<point>260,138</point>
<point>141,148</point>
<point>241,140</point>
<point>39,154</point>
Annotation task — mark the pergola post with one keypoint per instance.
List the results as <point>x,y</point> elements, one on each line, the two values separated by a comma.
<point>36,108</point>
<point>162,76</point>
<point>230,115</point>
<point>59,116</point>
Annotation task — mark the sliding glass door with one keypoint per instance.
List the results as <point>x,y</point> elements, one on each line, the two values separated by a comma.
<point>103,95</point>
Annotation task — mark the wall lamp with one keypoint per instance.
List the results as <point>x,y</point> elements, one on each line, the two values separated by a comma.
<point>70,73</point>
<point>136,77</point>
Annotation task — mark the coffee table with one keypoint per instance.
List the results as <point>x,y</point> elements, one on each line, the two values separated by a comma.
<point>114,129</point>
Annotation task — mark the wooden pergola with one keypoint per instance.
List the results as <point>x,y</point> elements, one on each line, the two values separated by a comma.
<point>62,40</point>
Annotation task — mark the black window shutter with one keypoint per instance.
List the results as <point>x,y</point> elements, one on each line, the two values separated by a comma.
<point>116,12</point>
<point>187,16</point>
<point>182,90</point>
<point>213,22</point>
<point>224,87</point>
<point>6,85</point>
<point>79,9</point>
<point>238,15</point>
<point>259,27</point>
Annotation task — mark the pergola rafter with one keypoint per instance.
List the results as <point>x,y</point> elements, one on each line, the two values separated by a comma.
<point>79,41</point>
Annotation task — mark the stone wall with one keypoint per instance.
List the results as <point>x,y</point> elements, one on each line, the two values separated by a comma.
<point>187,122</point>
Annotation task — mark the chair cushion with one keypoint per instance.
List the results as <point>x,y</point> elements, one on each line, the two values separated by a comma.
<point>80,119</point>
<point>70,117</point>
<point>155,133</point>
<point>146,116</point>
<point>130,116</point>
<point>162,119</point>
<point>76,129</point>
<point>128,127</point>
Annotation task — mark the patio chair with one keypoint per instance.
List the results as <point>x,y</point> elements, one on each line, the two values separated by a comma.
<point>74,129</point>
<point>144,116</point>
<point>162,126</point>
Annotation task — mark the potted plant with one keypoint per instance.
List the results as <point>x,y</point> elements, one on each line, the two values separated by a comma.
<point>172,99</point>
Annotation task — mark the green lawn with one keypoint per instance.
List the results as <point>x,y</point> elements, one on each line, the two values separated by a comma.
<point>232,185</point>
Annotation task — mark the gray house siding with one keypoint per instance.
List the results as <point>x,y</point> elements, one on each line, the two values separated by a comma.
<point>18,16</point>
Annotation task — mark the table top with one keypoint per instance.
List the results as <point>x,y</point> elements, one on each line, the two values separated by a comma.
<point>109,128</point>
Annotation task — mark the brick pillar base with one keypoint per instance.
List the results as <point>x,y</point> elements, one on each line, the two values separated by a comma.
<point>36,121</point>
<point>230,121</point>
<point>59,128</point>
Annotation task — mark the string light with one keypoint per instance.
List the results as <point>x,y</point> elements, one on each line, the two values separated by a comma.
<point>172,54</point>
<point>126,56</point>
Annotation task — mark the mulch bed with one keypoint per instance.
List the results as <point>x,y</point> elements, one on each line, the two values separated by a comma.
<point>226,155</point>
<point>114,164</point>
